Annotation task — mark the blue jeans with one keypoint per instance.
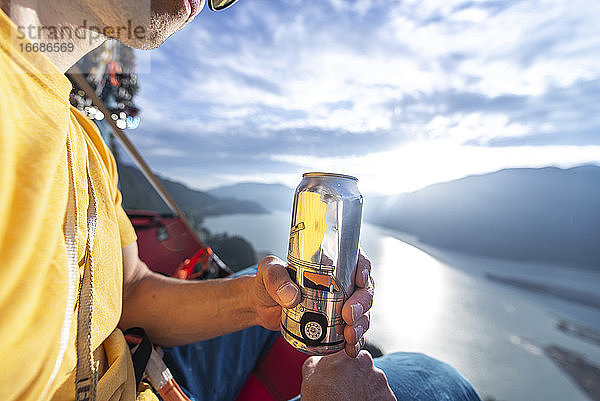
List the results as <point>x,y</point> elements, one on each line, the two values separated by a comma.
<point>217,369</point>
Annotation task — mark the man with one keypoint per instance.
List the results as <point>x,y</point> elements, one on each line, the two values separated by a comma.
<point>70,275</point>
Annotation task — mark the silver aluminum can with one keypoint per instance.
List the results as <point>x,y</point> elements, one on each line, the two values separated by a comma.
<point>322,257</point>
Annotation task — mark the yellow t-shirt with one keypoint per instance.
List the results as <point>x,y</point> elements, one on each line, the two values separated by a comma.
<point>37,348</point>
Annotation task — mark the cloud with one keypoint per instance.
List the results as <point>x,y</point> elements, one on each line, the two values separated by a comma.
<point>342,78</point>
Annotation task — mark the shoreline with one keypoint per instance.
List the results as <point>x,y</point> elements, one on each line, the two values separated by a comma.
<point>585,375</point>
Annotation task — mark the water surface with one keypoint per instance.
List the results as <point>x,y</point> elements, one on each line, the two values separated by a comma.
<point>440,302</point>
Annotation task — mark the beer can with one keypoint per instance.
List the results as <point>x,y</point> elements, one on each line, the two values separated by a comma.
<point>322,257</point>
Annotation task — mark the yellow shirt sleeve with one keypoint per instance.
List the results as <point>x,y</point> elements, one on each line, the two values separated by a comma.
<point>128,235</point>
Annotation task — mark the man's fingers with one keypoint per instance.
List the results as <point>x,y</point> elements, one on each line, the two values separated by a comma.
<point>363,271</point>
<point>358,303</point>
<point>353,350</point>
<point>277,282</point>
<point>354,333</point>
<point>362,298</point>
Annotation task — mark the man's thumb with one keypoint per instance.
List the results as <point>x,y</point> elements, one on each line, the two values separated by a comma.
<point>277,282</point>
<point>288,293</point>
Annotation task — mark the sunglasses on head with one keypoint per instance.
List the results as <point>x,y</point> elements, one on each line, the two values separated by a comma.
<point>217,5</point>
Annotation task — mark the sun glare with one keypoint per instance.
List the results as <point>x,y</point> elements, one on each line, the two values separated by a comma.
<point>410,292</point>
<point>416,165</point>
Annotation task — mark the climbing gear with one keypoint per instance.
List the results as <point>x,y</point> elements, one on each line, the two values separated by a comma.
<point>203,265</point>
<point>148,364</point>
<point>87,368</point>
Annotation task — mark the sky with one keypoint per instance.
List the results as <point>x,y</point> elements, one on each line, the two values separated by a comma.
<point>401,94</point>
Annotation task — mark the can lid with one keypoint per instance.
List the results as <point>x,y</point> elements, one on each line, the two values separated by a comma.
<point>320,174</point>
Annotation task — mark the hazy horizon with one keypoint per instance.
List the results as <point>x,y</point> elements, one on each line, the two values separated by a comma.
<point>293,185</point>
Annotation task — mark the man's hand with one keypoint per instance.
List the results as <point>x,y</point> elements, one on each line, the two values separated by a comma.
<point>274,289</point>
<point>338,377</point>
<point>355,311</point>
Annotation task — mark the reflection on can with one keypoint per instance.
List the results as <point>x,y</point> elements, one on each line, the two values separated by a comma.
<point>322,256</point>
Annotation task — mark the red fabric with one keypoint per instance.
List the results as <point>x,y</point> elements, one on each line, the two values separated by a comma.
<point>162,255</point>
<point>278,377</point>
<point>254,391</point>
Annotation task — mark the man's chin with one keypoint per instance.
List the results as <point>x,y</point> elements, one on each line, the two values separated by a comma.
<point>154,36</point>
<point>149,27</point>
<point>149,43</point>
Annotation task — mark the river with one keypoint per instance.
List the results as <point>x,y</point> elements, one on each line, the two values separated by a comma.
<point>441,303</point>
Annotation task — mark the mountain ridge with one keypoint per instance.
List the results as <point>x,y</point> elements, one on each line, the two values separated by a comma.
<point>547,214</point>
<point>139,194</point>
